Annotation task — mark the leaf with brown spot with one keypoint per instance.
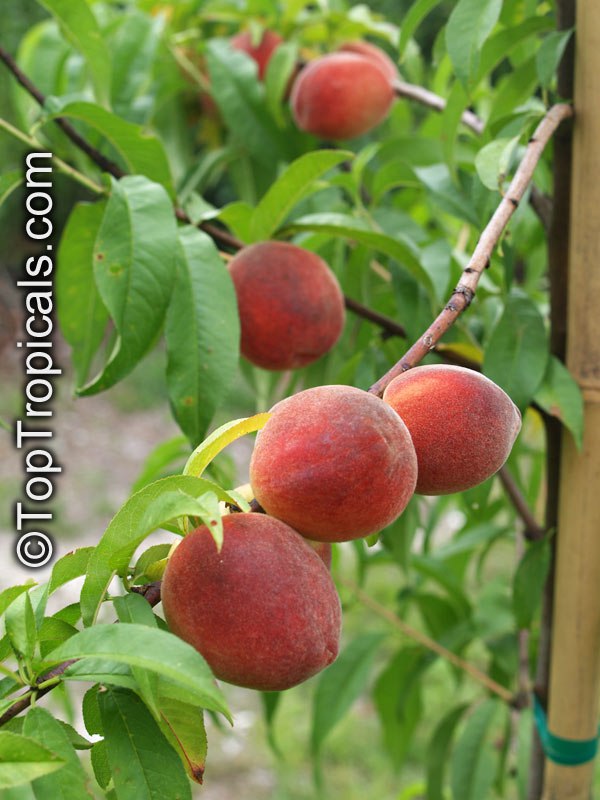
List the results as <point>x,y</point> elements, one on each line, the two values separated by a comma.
<point>183,726</point>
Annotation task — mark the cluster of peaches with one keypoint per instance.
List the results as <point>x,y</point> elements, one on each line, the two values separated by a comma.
<point>333,463</point>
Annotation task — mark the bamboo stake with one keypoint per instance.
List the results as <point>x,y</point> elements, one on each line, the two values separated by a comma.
<point>575,652</point>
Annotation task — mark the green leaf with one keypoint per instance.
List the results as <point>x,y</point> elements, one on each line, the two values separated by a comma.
<point>152,649</point>
<point>152,560</point>
<point>142,762</point>
<point>517,351</point>
<point>446,194</point>
<point>493,161</point>
<point>53,632</point>
<point>21,627</point>
<point>100,765</point>
<point>133,50</point>
<point>238,218</point>
<point>270,703</point>
<point>135,269</point>
<point>81,312</point>
<point>202,334</point>
<point>294,183</point>
<point>500,44</point>
<point>137,518</point>
<point>438,752</point>
<point>529,581</point>
<point>163,456</point>
<point>549,54</point>
<point>22,760</point>
<point>560,395</point>
<point>469,25</point>
<point>68,783</point>
<point>133,608</point>
<point>69,567</point>
<point>9,181</point>
<point>220,438</point>
<point>183,726</point>
<point>9,595</point>
<point>398,247</point>
<point>143,153</point>
<point>282,65</point>
<point>340,684</point>
<point>240,98</point>
<point>415,15</point>
<point>473,760</point>
<point>78,741</point>
<point>397,697</point>
<point>80,28</point>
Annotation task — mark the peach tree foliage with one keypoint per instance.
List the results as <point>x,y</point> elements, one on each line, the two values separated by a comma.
<point>395,213</point>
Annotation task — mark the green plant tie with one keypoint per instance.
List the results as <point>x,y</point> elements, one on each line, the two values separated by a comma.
<point>570,752</point>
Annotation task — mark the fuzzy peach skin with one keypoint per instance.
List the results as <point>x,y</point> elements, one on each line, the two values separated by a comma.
<point>263,612</point>
<point>335,463</point>
<point>462,424</point>
<point>290,304</point>
<point>341,96</point>
<point>261,52</point>
<point>374,53</point>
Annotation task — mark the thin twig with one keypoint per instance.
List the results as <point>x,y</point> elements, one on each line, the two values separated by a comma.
<point>430,644</point>
<point>23,702</point>
<point>426,98</point>
<point>389,325</point>
<point>533,530</point>
<point>465,290</point>
<point>67,169</point>
<point>104,163</point>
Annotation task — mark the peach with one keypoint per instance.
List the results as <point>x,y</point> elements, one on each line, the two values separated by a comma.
<point>263,612</point>
<point>260,51</point>
<point>290,304</point>
<point>462,424</point>
<point>334,462</point>
<point>374,53</point>
<point>341,95</point>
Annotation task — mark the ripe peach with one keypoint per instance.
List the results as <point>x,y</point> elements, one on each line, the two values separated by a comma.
<point>462,424</point>
<point>290,304</point>
<point>374,53</point>
<point>261,52</point>
<point>334,462</point>
<point>341,95</point>
<point>263,612</point>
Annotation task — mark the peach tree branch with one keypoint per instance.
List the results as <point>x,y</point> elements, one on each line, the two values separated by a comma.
<point>465,290</point>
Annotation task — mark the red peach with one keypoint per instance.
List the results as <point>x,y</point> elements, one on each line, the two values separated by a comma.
<point>374,53</point>
<point>290,304</point>
<point>261,51</point>
<point>334,462</point>
<point>462,424</point>
<point>341,95</point>
<point>263,612</point>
